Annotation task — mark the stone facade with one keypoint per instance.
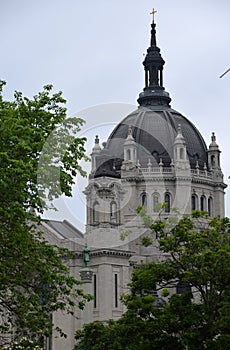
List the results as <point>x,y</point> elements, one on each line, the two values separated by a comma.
<point>154,155</point>
<point>111,258</point>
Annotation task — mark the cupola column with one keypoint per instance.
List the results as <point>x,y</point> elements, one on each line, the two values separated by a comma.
<point>182,173</point>
<point>180,152</point>
<point>130,149</point>
<point>154,92</point>
<point>214,166</point>
<point>214,154</point>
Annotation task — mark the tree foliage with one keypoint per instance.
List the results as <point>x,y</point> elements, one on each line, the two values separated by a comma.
<point>195,255</point>
<point>39,156</point>
<point>23,344</point>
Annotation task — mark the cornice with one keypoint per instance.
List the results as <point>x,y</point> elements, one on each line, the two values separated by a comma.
<point>105,252</point>
<point>111,252</point>
<point>148,179</point>
<point>209,183</point>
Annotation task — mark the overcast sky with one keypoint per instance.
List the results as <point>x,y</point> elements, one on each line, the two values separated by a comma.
<point>93,50</point>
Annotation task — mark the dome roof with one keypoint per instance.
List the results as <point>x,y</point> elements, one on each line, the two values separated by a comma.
<point>154,125</point>
<point>154,132</point>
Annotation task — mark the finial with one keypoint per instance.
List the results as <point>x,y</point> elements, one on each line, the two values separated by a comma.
<point>130,130</point>
<point>179,129</point>
<point>96,139</point>
<point>213,137</point>
<point>96,147</point>
<point>153,13</point>
<point>130,136</point>
<point>213,145</point>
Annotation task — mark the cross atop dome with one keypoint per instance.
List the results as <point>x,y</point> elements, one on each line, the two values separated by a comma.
<point>153,13</point>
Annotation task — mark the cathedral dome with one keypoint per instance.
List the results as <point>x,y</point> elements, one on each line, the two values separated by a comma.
<point>153,125</point>
<point>154,132</point>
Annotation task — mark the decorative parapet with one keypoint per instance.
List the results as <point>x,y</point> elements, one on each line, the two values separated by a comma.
<point>158,173</point>
<point>213,178</point>
<point>161,171</point>
<point>149,172</point>
<point>201,173</point>
<point>157,170</point>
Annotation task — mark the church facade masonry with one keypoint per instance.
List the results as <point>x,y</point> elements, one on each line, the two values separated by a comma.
<point>153,155</point>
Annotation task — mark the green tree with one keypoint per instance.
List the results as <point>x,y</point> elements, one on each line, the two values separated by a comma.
<point>24,344</point>
<point>39,156</point>
<point>195,256</point>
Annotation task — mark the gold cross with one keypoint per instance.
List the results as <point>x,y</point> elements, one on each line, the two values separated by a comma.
<point>152,13</point>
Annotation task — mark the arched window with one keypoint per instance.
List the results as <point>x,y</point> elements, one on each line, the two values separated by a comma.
<point>96,213</point>
<point>202,203</point>
<point>210,206</point>
<point>194,202</point>
<point>144,199</point>
<point>155,201</point>
<point>213,160</point>
<point>167,201</point>
<point>128,154</point>
<point>181,153</point>
<point>113,211</point>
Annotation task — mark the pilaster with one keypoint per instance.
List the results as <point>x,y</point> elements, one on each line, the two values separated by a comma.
<point>86,275</point>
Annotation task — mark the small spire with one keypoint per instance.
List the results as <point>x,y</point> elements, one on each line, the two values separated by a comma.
<point>213,144</point>
<point>179,136</point>
<point>154,93</point>
<point>130,136</point>
<point>96,147</point>
<point>213,138</point>
<point>96,140</point>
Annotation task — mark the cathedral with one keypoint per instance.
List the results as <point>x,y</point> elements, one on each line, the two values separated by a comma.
<point>154,155</point>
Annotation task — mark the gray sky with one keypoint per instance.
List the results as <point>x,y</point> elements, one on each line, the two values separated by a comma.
<point>92,50</point>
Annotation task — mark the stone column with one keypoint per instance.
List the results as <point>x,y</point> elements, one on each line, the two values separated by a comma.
<point>86,277</point>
